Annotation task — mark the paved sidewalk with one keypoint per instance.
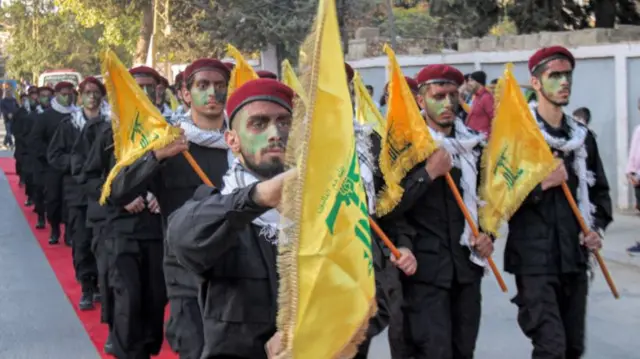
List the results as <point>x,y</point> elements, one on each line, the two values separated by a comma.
<point>622,234</point>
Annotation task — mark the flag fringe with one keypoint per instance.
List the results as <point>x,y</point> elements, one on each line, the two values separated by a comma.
<point>492,216</point>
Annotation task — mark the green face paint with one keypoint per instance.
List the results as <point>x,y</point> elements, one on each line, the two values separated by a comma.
<point>554,84</point>
<point>90,100</point>
<point>438,107</point>
<point>45,100</point>
<point>257,136</point>
<point>200,97</point>
<point>64,100</point>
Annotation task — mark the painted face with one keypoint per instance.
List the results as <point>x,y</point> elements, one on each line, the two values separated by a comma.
<point>45,98</point>
<point>556,81</point>
<point>263,130</point>
<point>64,97</point>
<point>91,97</point>
<point>148,85</point>
<point>208,93</point>
<point>33,98</point>
<point>440,101</point>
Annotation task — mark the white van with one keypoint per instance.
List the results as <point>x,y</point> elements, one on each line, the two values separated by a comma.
<point>52,77</point>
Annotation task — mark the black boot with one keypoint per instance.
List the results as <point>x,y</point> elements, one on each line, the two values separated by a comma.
<point>28,202</point>
<point>108,346</point>
<point>86,300</point>
<point>67,239</point>
<point>41,222</point>
<point>55,234</point>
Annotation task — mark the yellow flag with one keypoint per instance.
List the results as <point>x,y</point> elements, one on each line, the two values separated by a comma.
<point>327,290</point>
<point>290,79</point>
<point>242,71</point>
<point>366,110</point>
<point>406,141</point>
<point>173,101</point>
<point>138,125</point>
<point>516,159</point>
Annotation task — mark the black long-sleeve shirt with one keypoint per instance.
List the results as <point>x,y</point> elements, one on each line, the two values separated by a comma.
<point>544,232</point>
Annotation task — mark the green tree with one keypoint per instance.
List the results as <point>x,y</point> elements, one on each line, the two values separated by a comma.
<point>122,24</point>
<point>253,24</point>
<point>43,39</point>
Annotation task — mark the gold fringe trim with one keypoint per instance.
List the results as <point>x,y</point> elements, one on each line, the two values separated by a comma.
<point>110,60</point>
<point>492,217</point>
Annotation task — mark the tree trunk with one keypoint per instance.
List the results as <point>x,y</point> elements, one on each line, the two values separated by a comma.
<point>146,29</point>
<point>605,12</point>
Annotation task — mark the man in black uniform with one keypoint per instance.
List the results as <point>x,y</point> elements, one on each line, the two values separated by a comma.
<point>40,137</point>
<point>62,158</point>
<point>223,237</point>
<point>442,264</point>
<point>206,83</point>
<point>21,127</point>
<point>35,167</point>
<point>545,249</point>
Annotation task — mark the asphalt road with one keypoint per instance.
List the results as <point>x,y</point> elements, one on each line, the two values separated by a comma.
<point>37,320</point>
<point>613,326</point>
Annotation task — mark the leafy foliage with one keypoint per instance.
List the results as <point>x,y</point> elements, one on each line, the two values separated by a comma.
<point>42,39</point>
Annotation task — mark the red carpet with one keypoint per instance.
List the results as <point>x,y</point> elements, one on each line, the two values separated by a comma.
<point>59,257</point>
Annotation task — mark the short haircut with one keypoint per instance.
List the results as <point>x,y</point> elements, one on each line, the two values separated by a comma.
<point>494,81</point>
<point>583,112</point>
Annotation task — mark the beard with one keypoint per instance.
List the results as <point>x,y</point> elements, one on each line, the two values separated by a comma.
<point>267,169</point>
<point>554,102</point>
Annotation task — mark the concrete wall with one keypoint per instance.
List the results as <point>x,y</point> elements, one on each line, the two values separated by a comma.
<point>601,83</point>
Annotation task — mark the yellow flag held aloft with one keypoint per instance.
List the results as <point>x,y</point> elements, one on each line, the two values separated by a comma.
<point>516,159</point>
<point>366,110</point>
<point>138,125</point>
<point>406,141</point>
<point>242,72</point>
<point>327,290</point>
<point>290,79</point>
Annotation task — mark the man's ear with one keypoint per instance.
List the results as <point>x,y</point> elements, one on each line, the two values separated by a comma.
<point>535,83</point>
<point>186,95</point>
<point>421,102</point>
<point>233,140</point>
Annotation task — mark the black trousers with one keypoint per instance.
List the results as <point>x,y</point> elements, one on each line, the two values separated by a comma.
<point>551,312</point>
<point>103,254</point>
<point>36,193</point>
<point>140,297</point>
<point>84,261</point>
<point>441,323</point>
<point>389,301</point>
<point>637,193</point>
<point>53,199</point>
<point>184,329</point>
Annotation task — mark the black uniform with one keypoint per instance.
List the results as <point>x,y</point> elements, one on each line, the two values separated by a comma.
<point>173,182</point>
<point>442,300</point>
<point>543,250</point>
<point>61,157</point>
<point>19,130</point>
<point>134,247</point>
<point>388,288</point>
<point>213,236</point>
<point>30,165</point>
<point>46,176</point>
<point>91,177</point>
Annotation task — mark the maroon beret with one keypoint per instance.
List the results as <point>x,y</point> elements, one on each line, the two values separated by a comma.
<point>260,90</point>
<point>438,74</point>
<point>349,70</point>
<point>164,81</point>
<point>145,71</point>
<point>63,85</point>
<point>547,54</point>
<point>265,74</point>
<point>229,65</point>
<point>32,89</point>
<point>413,84</point>
<point>95,81</point>
<point>179,77</point>
<point>45,88</point>
<point>206,64</point>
